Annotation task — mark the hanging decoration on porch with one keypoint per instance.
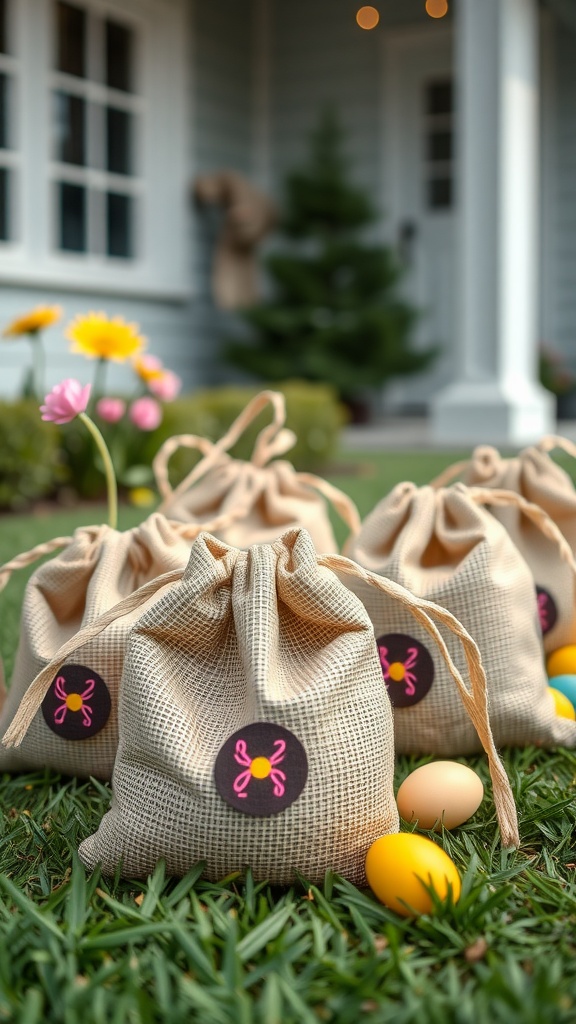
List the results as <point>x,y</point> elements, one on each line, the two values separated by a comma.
<point>249,216</point>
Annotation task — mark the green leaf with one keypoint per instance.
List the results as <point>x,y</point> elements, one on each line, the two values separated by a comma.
<point>264,933</point>
<point>43,920</point>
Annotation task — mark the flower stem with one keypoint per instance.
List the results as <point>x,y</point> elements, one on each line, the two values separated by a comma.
<point>99,380</point>
<point>38,357</point>
<point>108,469</point>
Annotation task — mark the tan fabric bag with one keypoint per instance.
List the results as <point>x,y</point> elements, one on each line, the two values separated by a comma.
<point>76,729</point>
<point>444,546</point>
<point>538,479</point>
<point>254,725</point>
<point>255,501</point>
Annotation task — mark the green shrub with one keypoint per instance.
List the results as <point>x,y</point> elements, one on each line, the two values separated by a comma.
<point>313,412</point>
<point>30,463</point>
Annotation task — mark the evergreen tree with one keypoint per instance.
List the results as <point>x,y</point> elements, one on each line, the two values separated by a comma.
<point>335,314</point>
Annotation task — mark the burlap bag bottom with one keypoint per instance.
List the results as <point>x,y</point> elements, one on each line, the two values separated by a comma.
<point>264,636</point>
<point>76,730</point>
<point>444,547</point>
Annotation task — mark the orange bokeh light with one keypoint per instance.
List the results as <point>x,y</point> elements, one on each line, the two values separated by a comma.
<point>367,17</point>
<point>436,8</point>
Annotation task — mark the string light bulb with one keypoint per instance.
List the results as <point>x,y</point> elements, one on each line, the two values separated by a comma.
<point>436,8</point>
<point>367,17</point>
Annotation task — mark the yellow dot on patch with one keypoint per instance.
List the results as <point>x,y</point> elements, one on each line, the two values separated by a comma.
<point>260,768</point>
<point>74,702</point>
<point>397,671</point>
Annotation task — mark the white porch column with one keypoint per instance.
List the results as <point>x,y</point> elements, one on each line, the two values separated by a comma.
<point>496,396</point>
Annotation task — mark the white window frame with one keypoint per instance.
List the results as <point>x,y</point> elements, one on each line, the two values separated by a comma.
<point>160,267</point>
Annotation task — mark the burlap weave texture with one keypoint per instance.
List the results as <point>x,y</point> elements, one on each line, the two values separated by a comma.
<point>263,635</point>
<point>91,574</point>
<point>442,546</point>
<point>536,477</point>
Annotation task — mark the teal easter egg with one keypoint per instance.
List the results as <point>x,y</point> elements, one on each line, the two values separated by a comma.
<point>567,685</point>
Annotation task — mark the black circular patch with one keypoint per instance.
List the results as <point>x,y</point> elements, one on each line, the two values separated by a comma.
<point>407,668</point>
<point>547,610</point>
<point>77,704</point>
<point>261,769</point>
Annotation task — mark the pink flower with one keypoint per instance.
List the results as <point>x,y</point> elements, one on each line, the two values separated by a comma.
<point>165,387</point>
<point>65,401</point>
<point>146,413</point>
<point>111,409</point>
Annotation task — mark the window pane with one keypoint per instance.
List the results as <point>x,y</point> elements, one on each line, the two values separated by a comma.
<point>119,225</point>
<point>4,26</point>
<point>119,141</point>
<point>70,128</point>
<point>72,220</point>
<point>439,193</point>
<point>4,204</point>
<point>119,57</point>
<point>440,145</point>
<point>71,40</point>
<point>439,98</point>
<point>5,85</point>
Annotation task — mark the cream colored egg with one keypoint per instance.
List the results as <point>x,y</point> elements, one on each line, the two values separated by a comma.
<point>440,793</point>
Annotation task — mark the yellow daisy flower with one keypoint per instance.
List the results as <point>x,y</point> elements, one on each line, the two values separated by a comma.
<point>36,320</point>
<point>96,336</point>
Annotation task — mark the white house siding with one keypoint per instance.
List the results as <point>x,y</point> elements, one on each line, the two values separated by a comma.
<point>561,321</point>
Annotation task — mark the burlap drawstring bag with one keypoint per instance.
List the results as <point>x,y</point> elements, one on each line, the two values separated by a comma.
<point>538,479</point>
<point>76,730</point>
<point>255,728</point>
<point>444,546</point>
<point>255,501</point>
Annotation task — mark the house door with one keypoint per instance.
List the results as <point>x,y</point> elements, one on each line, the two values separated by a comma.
<point>419,190</point>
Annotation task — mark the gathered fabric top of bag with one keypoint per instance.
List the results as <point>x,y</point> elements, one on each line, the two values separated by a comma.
<point>531,473</point>
<point>254,501</point>
<point>96,568</point>
<point>127,558</point>
<point>288,551</point>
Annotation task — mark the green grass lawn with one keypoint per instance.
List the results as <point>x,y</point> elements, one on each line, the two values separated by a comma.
<point>77,948</point>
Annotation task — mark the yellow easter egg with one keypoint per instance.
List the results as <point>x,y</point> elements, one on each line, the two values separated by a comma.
<point>562,661</point>
<point>440,793</point>
<point>398,867</point>
<point>564,707</point>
